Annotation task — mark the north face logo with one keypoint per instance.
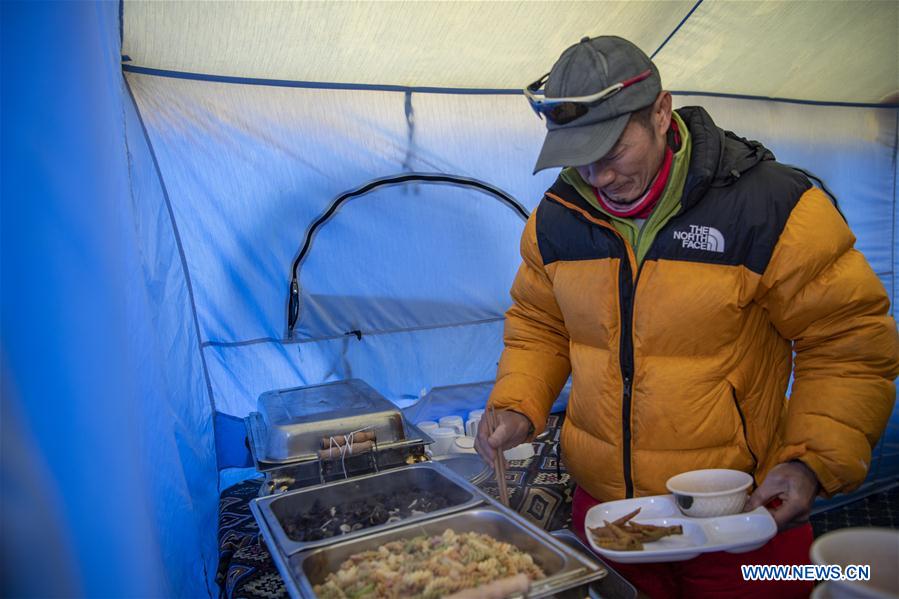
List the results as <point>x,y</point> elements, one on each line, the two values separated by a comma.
<point>701,238</point>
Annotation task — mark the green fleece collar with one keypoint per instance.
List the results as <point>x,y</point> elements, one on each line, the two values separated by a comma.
<point>641,238</point>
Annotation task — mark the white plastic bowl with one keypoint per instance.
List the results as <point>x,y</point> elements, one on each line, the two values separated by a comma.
<point>710,493</point>
<point>874,547</point>
<point>462,445</point>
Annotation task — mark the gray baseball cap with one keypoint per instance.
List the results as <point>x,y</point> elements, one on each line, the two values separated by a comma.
<point>586,68</point>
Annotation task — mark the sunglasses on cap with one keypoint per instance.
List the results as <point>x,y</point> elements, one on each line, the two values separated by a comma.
<point>564,110</point>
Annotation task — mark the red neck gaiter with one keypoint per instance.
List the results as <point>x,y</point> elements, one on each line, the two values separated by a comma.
<point>643,207</point>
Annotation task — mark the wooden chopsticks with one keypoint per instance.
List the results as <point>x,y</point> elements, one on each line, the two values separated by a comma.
<point>499,461</point>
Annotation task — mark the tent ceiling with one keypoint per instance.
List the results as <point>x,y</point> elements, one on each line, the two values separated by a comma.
<point>814,50</point>
<point>806,49</point>
<point>445,44</point>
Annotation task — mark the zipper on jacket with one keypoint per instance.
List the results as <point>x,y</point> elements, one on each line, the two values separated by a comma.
<point>626,288</point>
<point>755,460</point>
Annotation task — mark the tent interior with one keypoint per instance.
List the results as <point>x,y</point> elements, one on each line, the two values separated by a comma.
<point>169,168</point>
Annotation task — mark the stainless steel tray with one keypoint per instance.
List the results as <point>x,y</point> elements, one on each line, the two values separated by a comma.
<point>290,423</point>
<point>307,474</point>
<point>611,586</point>
<point>467,465</point>
<point>565,569</point>
<point>277,510</point>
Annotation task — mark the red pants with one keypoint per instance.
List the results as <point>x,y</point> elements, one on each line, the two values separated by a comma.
<point>712,574</point>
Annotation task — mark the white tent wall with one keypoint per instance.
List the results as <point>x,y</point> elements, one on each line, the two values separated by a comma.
<point>421,271</point>
<point>439,255</point>
<point>250,167</point>
<point>108,471</point>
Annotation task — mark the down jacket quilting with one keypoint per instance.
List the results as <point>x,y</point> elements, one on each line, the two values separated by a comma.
<point>683,362</point>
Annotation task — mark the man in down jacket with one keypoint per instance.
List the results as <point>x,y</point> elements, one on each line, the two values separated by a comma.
<point>680,274</point>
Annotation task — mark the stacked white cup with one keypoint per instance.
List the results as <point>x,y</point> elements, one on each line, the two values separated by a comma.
<point>427,426</point>
<point>443,440</point>
<point>471,425</point>
<point>453,422</point>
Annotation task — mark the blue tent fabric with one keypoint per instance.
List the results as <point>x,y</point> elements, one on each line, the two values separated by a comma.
<point>149,224</point>
<point>106,412</point>
<point>256,157</point>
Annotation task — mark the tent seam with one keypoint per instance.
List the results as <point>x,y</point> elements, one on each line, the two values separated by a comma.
<point>179,245</point>
<point>203,558</point>
<point>895,184</point>
<point>830,103</point>
<point>207,344</point>
<point>456,91</point>
<point>676,29</point>
<point>410,127</point>
<point>131,68</point>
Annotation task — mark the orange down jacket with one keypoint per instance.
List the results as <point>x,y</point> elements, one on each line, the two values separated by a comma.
<point>683,362</point>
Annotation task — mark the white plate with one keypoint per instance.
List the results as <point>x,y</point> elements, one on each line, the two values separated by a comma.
<point>738,533</point>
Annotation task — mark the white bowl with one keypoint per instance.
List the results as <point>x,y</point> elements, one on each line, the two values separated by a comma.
<point>462,445</point>
<point>874,547</point>
<point>710,493</point>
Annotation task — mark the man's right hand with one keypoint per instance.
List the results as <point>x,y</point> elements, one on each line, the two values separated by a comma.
<point>512,429</point>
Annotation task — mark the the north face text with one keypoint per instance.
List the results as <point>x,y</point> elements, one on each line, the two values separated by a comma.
<point>701,238</point>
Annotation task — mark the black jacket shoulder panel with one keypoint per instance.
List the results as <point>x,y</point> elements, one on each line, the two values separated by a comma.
<point>568,193</point>
<point>706,140</point>
<point>735,224</point>
<point>718,157</point>
<point>563,234</point>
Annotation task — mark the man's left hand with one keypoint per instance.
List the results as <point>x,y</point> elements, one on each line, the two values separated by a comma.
<point>795,485</point>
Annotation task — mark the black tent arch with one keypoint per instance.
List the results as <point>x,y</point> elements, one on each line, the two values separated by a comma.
<point>293,301</point>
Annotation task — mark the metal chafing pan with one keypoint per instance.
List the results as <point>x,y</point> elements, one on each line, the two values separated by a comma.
<point>290,424</point>
<point>307,474</point>
<point>277,510</point>
<point>611,586</point>
<point>568,572</point>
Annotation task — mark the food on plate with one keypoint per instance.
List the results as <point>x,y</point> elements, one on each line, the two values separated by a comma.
<point>434,566</point>
<point>326,521</point>
<point>625,535</point>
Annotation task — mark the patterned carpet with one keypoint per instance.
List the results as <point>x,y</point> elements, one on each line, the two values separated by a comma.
<point>880,509</point>
<point>540,488</point>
